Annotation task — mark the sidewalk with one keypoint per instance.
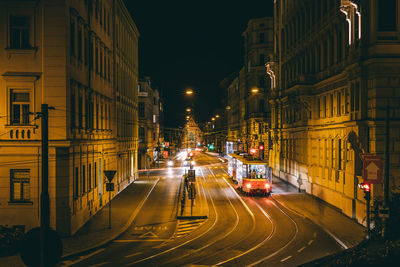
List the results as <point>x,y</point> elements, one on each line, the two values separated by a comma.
<point>95,233</point>
<point>344,230</point>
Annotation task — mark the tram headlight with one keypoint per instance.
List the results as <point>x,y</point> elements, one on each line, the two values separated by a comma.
<point>248,185</point>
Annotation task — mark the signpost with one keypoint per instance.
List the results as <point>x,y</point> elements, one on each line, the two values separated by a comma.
<point>109,187</point>
<point>372,171</point>
<point>372,174</point>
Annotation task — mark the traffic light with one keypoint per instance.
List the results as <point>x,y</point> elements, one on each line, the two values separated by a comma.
<point>261,146</point>
<point>261,150</point>
<point>367,190</point>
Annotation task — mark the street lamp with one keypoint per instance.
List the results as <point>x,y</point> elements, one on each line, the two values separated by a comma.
<point>189,91</point>
<point>217,116</point>
<point>188,109</point>
<point>255,90</point>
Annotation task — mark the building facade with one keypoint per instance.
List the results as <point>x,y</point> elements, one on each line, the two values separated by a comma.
<point>150,123</point>
<point>247,92</point>
<point>80,57</point>
<point>334,73</point>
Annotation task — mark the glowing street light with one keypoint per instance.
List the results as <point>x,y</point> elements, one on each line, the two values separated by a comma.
<point>217,116</point>
<point>188,110</point>
<point>189,91</point>
<point>213,119</point>
<point>254,90</point>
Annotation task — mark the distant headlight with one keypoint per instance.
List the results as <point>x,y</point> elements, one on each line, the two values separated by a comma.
<point>193,162</point>
<point>170,163</point>
<point>248,185</point>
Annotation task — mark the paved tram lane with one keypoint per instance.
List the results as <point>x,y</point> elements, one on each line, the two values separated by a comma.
<point>239,231</point>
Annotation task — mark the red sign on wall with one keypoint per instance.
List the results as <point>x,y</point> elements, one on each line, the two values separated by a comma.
<point>372,171</point>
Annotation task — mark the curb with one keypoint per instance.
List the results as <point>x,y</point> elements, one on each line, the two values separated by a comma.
<point>192,217</point>
<point>123,229</point>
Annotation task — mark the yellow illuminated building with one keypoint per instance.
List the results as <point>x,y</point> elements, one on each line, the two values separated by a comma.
<point>334,72</point>
<point>80,57</point>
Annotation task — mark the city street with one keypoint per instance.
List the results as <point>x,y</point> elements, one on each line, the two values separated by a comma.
<point>239,231</point>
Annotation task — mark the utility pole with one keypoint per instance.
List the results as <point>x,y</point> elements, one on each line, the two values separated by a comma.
<point>44,195</point>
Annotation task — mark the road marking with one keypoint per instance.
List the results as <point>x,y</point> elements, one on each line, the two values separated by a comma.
<point>81,258</point>
<point>132,255</point>
<point>310,242</point>
<point>137,240</point>
<point>300,250</point>
<point>149,234</point>
<point>285,259</point>
<point>100,264</point>
<point>185,227</point>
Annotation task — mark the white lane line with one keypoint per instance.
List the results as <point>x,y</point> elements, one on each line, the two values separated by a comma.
<point>81,258</point>
<point>100,264</point>
<point>300,250</point>
<point>132,255</point>
<point>334,237</point>
<point>310,242</point>
<point>137,240</point>
<point>285,259</point>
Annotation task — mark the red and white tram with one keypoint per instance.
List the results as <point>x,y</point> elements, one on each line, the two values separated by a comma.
<point>252,175</point>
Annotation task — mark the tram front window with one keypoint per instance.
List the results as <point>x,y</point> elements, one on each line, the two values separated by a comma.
<point>257,172</point>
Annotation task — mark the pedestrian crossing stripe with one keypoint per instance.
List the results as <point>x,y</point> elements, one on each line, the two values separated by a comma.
<point>185,227</point>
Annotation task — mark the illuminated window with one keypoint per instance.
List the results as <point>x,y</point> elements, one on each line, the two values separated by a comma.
<point>19,32</point>
<point>19,108</point>
<point>19,185</point>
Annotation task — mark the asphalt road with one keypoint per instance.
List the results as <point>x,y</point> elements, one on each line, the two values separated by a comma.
<point>239,231</point>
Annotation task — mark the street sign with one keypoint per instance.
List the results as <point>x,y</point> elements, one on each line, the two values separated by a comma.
<point>372,171</point>
<point>110,186</point>
<point>191,175</point>
<point>110,175</point>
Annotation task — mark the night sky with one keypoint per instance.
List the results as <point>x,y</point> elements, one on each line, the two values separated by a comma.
<point>192,44</point>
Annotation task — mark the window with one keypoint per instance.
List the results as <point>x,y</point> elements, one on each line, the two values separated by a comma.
<point>72,38</point>
<point>19,32</point>
<point>141,134</point>
<point>73,110</point>
<point>80,44</point>
<point>90,177</point>
<point>80,112</point>
<point>83,179</point>
<point>261,82</point>
<point>141,109</point>
<point>76,183</point>
<point>19,108</point>
<point>261,59</point>
<point>95,175</point>
<point>262,37</point>
<point>19,185</point>
<point>387,15</point>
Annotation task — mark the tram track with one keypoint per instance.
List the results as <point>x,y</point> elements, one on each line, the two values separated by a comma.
<point>268,238</point>
<point>187,241</point>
